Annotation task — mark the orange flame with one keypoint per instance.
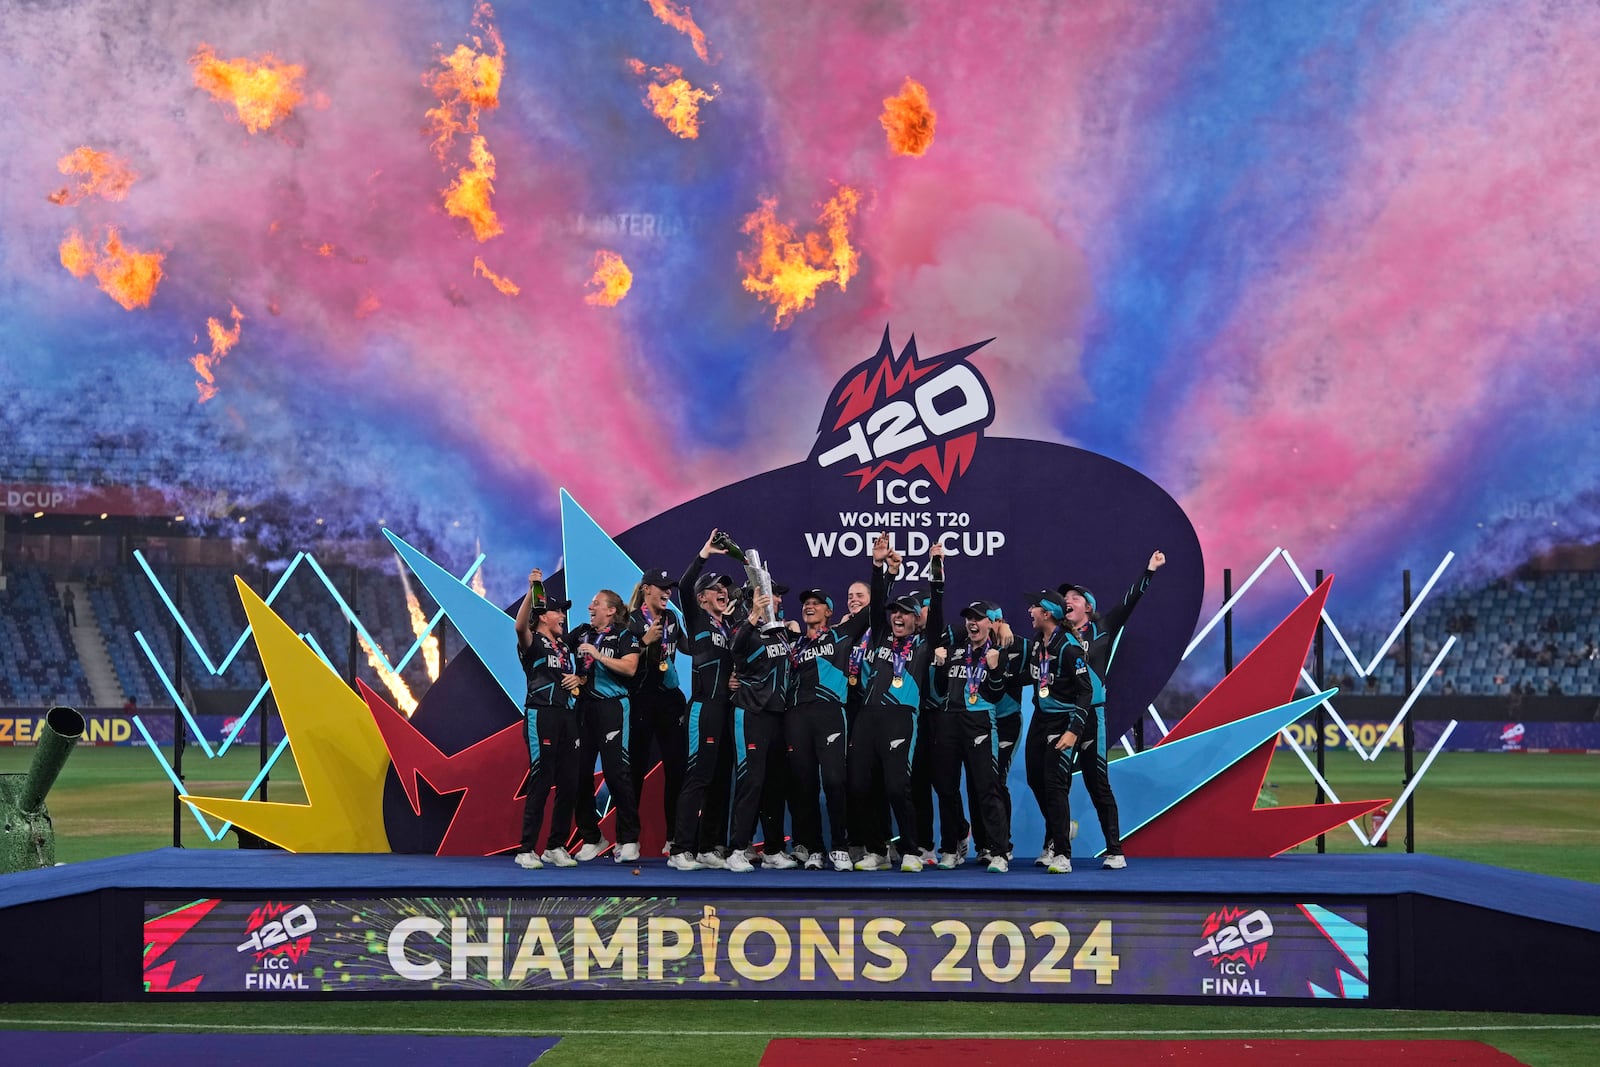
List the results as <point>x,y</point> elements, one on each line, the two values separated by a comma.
<point>104,175</point>
<point>786,270</point>
<point>612,280</point>
<point>468,196</point>
<point>683,22</point>
<point>908,119</point>
<point>673,100</point>
<point>505,285</point>
<point>419,625</point>
<point>468,83</point>
<point>222,339</point>
<point>127,275</point>
<point>262,91</point>
<point>393,682</point>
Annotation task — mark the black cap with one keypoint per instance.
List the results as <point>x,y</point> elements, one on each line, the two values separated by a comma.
<point>1067,587</point>
<point>1050,602</point>
<point>816,594</point>
<point>659,578</point>
<point>905,604</point>
<point>706,581</point>
<point>982,609</point>
<point>551,604</point>
<point>917,596</point>
<point>777,590</point>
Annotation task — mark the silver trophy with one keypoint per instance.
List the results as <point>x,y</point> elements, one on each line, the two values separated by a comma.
<point>761,583</point>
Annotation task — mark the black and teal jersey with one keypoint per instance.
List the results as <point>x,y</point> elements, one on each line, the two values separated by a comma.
<point>615,642</point>
<point>658,661</point>
<point>708,641</point>
<point>1062,680</point>
<point>964,682</point>
<point>1102,638</point>
<point>544,662</point>
<point>907,660</point>
<point>823,663</point>
<point>763,663</point>
<point>1017,679</point>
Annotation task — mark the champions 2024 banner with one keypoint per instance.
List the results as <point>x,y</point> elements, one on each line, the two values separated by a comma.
<point>1234,949</point>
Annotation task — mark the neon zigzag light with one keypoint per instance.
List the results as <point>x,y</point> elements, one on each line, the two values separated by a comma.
<point>1363,670</point>
<point>218,669</point>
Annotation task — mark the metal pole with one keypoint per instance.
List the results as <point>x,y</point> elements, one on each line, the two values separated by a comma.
<point>179,731</point>
<point>1227,621</point>
<point>1320,719</point>
<point>1409,739</point>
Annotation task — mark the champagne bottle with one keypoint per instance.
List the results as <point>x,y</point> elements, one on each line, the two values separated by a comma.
<point>936,568</point>
<point>536,592</point>
<point>726,543</point>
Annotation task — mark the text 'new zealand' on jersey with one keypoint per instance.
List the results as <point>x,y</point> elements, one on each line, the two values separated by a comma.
<point>762,661</point>
<point>614,642</point>
<point>966,682</point>
<point>545,662</point>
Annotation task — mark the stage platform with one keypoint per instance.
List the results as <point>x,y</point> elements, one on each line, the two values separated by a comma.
<point>1390,930</point>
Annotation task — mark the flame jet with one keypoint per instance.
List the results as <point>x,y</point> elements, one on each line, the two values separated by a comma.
<point>222,340</point>
<point>786,269</point>
<point>908,119</point>
<point>672,99</point>
<point>262,91</point>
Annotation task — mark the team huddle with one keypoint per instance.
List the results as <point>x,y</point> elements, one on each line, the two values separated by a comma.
<point>880,709</point>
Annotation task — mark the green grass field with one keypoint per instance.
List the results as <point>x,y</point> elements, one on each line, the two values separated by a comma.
<point>1530,812</point>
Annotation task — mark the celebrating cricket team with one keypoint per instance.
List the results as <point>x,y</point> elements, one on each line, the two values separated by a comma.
<point>859,711</point>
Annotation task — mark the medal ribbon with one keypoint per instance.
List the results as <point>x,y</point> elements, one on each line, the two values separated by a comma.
<point>977,670</point>
<point>1045,660</point>
<point>900,653</point>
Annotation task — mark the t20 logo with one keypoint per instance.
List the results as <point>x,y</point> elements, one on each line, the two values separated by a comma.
<point>1230,934</point>
<point>902,413</point>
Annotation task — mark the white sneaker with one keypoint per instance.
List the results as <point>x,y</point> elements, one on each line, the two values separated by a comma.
<point>998,865</point>
<point>871,862</point>
<point>737,862</point>
<point>530,860</point>
<point>779,861</point>
<point>911,864</point>
<point>892,854</point>
<point>713,861</point>
<point>1045,857</point>
<point>983,858</point>
<point>927,857</point>
<point>666,850</point>
<point>800,853</point>
<point>965,850</point>
<point>591,849</point>
<point>1059,865</point>
<point>841,859</point>
<point>683,861</point>
<point>1114,863</point>
<point>813,862</point>
<point>948,862</point>
<point>559,857</point>
<point>628,853</point>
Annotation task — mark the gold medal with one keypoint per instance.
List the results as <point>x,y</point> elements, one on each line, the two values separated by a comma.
<point>662,667</point>
<point>898,682</point>
<point>1044,690</point>
<point>972,698</point>
<point>854,680</point>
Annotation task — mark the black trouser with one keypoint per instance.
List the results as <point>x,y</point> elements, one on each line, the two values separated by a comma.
<point>660,717</point>
<point>1008,727</point>
<point>757,737</point>
<point>884,749</point>
<point>817,738</point>
<point>553,761</point>
<point>697,828</point>
<point>1050,777</point>
<point>922,780</point>
<point>1090,758</point>
<point>868,812</point>
<point>968,739</point>
<point>605,734</point>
